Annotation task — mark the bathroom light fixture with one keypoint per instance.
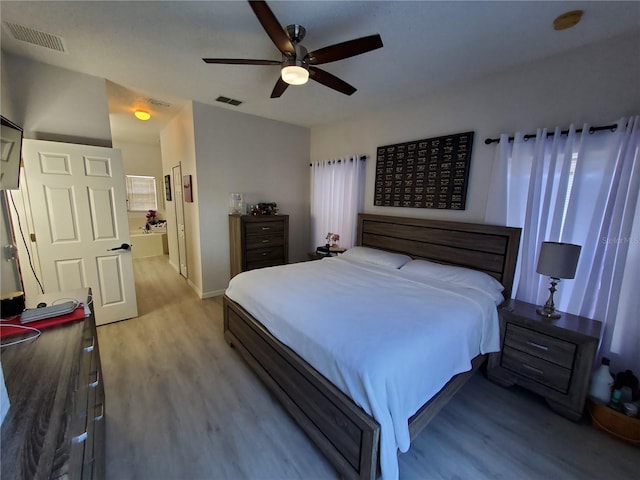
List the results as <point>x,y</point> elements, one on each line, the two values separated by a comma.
<point>294,75</point>
<point>557,260</point>
<point>142,115</point>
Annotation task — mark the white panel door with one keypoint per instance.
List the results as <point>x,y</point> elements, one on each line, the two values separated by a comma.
<point>78,202</point>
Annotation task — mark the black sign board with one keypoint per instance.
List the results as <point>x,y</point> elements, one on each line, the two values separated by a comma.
<point>430,173</point>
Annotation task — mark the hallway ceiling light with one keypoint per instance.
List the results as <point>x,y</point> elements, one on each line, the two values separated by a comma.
<point>142,115</point>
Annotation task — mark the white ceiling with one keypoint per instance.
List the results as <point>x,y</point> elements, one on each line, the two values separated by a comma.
<point>155,49</point>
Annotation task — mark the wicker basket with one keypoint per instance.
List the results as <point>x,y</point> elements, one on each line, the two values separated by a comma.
<point>622,426</point>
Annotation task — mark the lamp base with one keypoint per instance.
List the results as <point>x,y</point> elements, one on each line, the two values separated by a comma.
<point>548,313</point>
<point>549,308</point>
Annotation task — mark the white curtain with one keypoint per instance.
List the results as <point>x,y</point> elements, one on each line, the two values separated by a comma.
<point>337,196</point>
<point>579,188</point>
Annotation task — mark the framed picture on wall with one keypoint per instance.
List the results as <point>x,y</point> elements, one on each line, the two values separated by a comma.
<point>186,186</point>
<point>167,187</point>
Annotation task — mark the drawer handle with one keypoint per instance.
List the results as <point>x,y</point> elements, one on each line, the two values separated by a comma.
<point>533,369</point>
<point>264,254</point>
<point>90,348</point>
<point>266,228</point>
<point>266,241</point>
<point>101,416</point>
<point>538,346</point>
<point>80,438</point>
<point>95,383</point>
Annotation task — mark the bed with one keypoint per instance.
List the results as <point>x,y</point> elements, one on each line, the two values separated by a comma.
<point>336,400</point>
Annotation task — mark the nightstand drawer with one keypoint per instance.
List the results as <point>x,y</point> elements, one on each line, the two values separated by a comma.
<point>536,369</point>
<point>540,345</point>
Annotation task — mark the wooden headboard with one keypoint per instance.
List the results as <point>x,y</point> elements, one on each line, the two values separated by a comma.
<point>489,248</point>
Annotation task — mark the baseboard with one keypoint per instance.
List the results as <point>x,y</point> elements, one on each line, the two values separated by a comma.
<point>213,293</point>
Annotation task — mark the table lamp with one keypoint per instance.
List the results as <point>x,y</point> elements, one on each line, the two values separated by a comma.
<point>557,260</point>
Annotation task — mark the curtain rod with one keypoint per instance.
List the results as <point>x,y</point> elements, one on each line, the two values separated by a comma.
<point>613,127</point>
<point>361,157</point>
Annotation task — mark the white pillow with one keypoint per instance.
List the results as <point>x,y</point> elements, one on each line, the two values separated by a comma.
<point>458,275</point>
<point>377,257</point>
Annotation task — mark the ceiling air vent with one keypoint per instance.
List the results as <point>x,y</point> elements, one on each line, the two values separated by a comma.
<point>35,37</point>
<point>157,103</point>
<point>229,101</point>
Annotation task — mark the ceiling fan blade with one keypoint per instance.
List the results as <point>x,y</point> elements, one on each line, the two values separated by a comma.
<point>241,61</point>
<point>273,28</point>
<point>279,88</point>
<point>343,50</point>
<point>331,81</point>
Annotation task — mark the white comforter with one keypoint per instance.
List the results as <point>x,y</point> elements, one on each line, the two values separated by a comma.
<point>388,341</point>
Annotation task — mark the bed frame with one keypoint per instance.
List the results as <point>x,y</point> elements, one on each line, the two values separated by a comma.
<point>346,435</point>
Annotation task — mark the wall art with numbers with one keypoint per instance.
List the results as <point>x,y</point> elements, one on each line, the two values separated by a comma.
<point>429,173</point>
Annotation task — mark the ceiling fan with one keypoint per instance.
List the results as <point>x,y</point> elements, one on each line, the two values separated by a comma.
<point>298,65</point>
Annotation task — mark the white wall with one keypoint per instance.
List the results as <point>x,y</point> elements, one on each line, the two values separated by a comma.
<point>177,147</point>
<point>143,159</point>
<point>6,98</point>
<point>56,104</point>
<point>9,273</point>
<point>266,160</point>
<point>596,84</point>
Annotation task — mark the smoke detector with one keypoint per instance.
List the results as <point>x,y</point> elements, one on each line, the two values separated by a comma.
<point>567,20</point>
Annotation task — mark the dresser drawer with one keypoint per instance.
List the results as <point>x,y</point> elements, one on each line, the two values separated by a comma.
<point>265,254</point>
<point>87,419</point>
<point>264,264</point>
<point>264,228</point>
<point>262,241</point>
<point>536,369</point>
<point>539,345</point>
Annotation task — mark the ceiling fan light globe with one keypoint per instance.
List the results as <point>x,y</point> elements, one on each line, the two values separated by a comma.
<point>294,75</point>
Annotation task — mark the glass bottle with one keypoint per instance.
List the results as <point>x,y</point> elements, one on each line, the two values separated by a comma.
<point>601,382</point>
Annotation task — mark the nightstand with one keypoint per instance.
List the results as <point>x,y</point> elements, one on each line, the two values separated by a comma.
<point>553,358</point>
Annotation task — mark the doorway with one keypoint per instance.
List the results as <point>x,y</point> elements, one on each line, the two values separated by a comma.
<point>176,173</point>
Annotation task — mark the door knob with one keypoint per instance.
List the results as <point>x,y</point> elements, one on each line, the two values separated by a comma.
<point>124,246</point>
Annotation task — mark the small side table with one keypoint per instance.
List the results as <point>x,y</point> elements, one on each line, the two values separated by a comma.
<point>317,255</point>
<point>553,358</point>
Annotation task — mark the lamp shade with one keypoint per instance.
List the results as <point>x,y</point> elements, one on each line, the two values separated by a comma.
<point>558,260</point>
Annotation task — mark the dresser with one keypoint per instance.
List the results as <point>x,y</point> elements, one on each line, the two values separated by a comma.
<point>553,358</point>
<point>55,427</point>
<point>258,241</point>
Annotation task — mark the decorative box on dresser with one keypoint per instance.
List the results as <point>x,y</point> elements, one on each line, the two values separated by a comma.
<point>553,358</point>
<point>55,427</point>
<point>258,241</point>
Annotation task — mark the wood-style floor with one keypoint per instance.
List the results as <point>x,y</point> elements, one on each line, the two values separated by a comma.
<point>181,404</point>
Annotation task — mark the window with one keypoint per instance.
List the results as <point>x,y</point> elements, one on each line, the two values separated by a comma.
<point>337,196</point>
<point>583,189</point>
<point>141,193</point>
